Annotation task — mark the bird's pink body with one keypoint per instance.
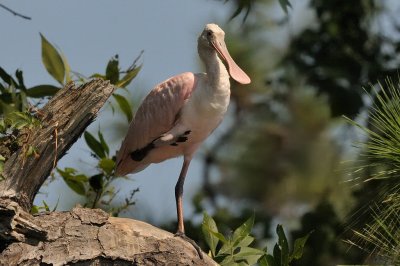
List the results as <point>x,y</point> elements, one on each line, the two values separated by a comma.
<point>181,112</point>
<point>158,114</point>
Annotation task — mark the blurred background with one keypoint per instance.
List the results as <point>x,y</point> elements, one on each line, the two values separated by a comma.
<point>284,151</point>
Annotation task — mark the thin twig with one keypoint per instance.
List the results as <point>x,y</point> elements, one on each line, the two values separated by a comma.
<point>15,13</point>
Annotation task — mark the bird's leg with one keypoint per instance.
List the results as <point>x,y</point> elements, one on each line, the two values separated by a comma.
<point>179,195</point>
<point>179,206</point>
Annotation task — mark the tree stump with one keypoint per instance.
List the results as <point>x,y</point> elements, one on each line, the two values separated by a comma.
<point>80,236</point>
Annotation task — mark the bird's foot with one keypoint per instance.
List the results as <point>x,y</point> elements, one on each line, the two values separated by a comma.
<point>191,241</point>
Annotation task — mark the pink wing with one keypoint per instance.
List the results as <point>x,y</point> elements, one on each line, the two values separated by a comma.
<point>155,116</point>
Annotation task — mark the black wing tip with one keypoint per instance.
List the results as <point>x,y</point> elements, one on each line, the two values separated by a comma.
<point>139,154</point>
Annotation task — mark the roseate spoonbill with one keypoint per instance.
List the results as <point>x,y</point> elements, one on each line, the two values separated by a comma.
<point>180,113</point>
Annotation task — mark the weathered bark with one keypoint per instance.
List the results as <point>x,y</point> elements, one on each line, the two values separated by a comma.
<point>91,237</point>
<point>81,236</point>
<point>66,116</point>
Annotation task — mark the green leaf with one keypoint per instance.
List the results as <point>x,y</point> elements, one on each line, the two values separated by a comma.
<point>53,61</point>
<point>94,145</point>
<point>96,182</point>
<point>270,260</point>
<point>242,231</point>
<point>107,165</point>
<point>46,207</point>
<point>208,226</point>
<point>263,261</point>
<point>2,88</point>
<point>250,255</point>
<point>283,244</point>
<point>56,206</point>
<point>24,100</point>
<point>34,209</point>
<point>220,237</point>
<point>299,247</point>
<point>19,120</point>
<point>129,76</point>
<point>228,261</point>
<point>20,79</point>
<point>75,182</point>
<point>103,143</point>
<point>41,91</point>
<point>227,247</point>
<point>240,6</point>
<point>6,77</point>
<point>124,105</point>
<point>76,186</point>
<point>97,75</point>
<point>277,255</point>
<point>285,4</point>
<point>245,242</point>
<point>67,68</point>
<point>112,70</point>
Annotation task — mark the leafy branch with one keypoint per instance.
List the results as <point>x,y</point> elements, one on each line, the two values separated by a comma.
<point>235,249</point>
<point>17,114</point>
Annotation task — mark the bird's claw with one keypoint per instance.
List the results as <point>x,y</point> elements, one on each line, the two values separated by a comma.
<point>191,241</point>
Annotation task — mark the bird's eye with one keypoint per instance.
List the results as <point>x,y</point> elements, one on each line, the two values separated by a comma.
<point>209,33</point>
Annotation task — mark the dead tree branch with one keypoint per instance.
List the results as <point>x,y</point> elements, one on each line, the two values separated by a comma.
<point>69,112</point>
<point>15,13</point>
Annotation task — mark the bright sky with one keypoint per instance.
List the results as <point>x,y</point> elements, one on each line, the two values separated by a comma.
<point>90,32</point>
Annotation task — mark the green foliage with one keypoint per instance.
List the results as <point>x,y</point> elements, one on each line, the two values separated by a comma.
<point>245,6</point>
<point>75,181</point>
<point>124,106</point>
<point>18,121</point>
<point>236,250</point>
<point>99,148</point>
<point>41,91</point>
<point>325,243</point>
<point>285,4</point>
<point>113,72</point>
<point>209,229</point>
<point>53,61</point>
<point>281,255</point>
<point>97,188</point>
<point>130,74</point>
<point>15,129</point>
<point>14,117</point>
<point>383,145</point>
<point>14,95</point>
<point>45,208</point>
<point>380,158</point>
<point>340,64</point>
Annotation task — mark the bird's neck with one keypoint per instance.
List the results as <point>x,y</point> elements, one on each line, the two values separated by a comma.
<point>218,76</point>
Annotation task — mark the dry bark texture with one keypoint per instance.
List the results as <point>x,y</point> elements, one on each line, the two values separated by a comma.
<point>63,119</point>
<point>91,237</point>
<point>81,236</point>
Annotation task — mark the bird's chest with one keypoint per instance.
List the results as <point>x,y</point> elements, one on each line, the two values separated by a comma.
<point>205,110</point>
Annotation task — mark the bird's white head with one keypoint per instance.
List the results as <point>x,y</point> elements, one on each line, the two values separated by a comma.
<point>212,39</point>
